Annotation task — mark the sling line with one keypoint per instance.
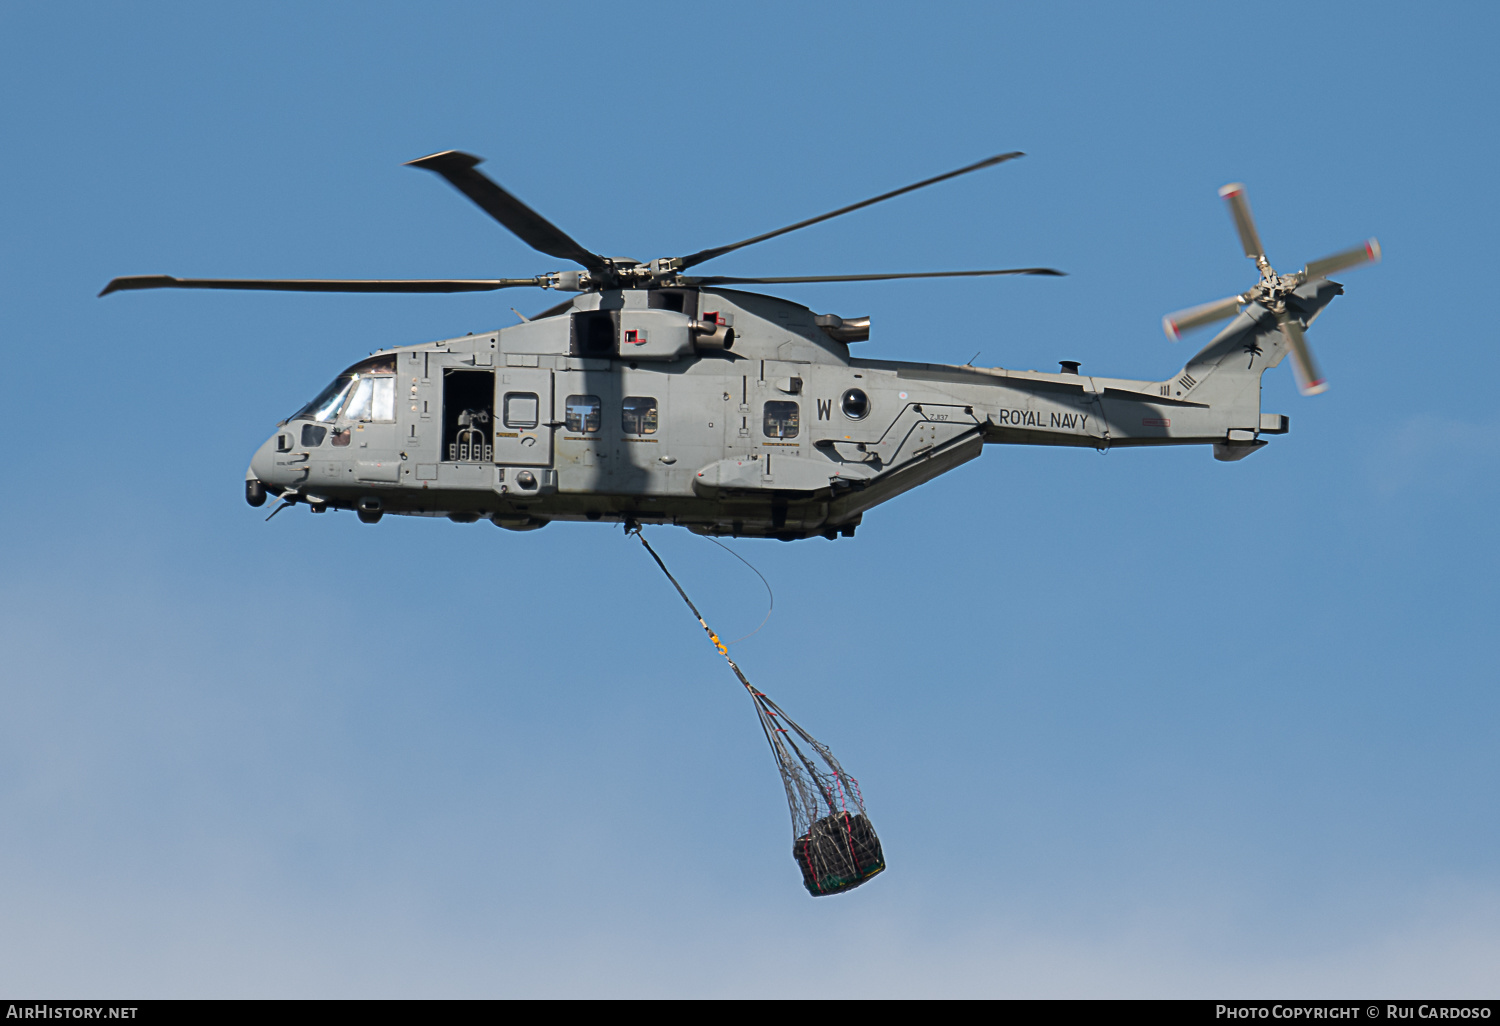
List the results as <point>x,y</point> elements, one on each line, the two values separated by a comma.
<point>833,842</point>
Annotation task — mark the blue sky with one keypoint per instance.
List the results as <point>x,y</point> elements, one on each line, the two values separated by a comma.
<point>1139,724</point>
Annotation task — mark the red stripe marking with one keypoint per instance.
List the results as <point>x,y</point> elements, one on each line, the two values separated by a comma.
<point>849,840</point>
<point>811,871</point>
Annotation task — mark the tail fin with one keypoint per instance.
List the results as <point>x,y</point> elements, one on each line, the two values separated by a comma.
<point>1227,371</point>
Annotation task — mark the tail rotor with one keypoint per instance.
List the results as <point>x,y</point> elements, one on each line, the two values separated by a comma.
<point>1272,291</point>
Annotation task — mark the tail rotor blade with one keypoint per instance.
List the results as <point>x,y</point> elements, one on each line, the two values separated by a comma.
<point>1309,379</point>
<point>1195,317</point>
<point>1239,206</point>
<point>1369,253</point>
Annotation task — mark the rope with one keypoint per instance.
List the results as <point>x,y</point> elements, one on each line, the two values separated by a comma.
<point>723,649</point>
<point>819,799</point>
<point>766,708</point>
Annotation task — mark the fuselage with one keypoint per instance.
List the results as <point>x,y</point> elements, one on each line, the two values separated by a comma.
<point>726,412</point>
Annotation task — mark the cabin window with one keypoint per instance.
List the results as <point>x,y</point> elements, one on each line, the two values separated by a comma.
<point>312,435</point>
<point>638,415</point>
<point>520,409</point>
<point>582,413</point>
<point>783,420</point>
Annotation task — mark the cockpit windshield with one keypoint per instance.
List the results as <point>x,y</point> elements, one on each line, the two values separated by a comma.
<point>366,391</point>
<point>328,402</point>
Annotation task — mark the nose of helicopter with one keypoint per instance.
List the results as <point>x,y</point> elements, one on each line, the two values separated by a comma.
<point>264,475</point>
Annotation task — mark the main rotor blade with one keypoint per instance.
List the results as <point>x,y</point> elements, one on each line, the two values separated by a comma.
<point>1369,253</point>
<point>681,263</point>
<point>529,226</point>
<point>164,281</point>
<point>1195,317</point>
<point>1309,378</point>
<point>730,280</point>
<point>1239,206</point>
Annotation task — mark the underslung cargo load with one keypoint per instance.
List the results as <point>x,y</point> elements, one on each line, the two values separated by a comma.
<point>834,844</point>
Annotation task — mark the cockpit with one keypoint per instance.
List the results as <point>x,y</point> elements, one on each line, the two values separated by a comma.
<point>364,392</point>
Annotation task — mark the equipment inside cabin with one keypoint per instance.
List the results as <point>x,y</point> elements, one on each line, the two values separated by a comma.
<point>468,408</point>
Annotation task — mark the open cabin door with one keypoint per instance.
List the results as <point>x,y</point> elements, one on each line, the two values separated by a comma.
<point>523,417</point>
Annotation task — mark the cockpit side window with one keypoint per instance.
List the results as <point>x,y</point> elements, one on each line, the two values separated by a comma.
<point>383,402</point>
<point>359,399</point>
<point>366,391</point>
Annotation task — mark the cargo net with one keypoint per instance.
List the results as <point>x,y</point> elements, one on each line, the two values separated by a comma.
<point>835,846</point>
<point>833,842</point>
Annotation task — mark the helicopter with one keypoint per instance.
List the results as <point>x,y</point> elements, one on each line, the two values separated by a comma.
<point>652,396</point>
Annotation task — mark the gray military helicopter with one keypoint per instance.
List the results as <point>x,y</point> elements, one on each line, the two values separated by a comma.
<point>653,396</point>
